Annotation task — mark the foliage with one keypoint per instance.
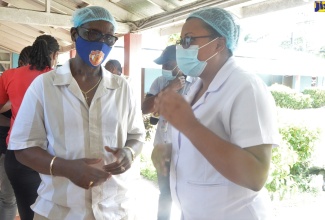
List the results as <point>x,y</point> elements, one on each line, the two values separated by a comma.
<point>297,44</point>
<point>149,127</point>
<point>147,170</point>
<point>321,52</point>
<point>317,95</point>
<point>279,182</point>
<point>173,38</point>
<point>289,171</point>
<point>286,97</point>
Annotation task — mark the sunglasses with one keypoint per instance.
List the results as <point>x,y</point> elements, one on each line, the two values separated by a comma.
<point>186,41</point>
<point>93,35</point>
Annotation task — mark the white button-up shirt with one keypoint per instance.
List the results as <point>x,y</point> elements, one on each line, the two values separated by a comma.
<point>238,108</point>
<point>55,116</point>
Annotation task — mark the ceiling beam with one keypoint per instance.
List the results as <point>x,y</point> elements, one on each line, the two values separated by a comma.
<point>28,17</point>
<point>163,5</point>
<point>18,39</point>
<point>22,29</point>
<point>174,16</point>
<point>119,13</point>
<point>11,45</point>
<point>14,32</point>
<point>272,6</point>
<point>169,22</point>
<point>27,5</point>
<point>34,17</point>
<point>48,6</point>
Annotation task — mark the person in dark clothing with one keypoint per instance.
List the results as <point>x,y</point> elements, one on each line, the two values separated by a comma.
<point>13,85</point>
<point>8,205</point>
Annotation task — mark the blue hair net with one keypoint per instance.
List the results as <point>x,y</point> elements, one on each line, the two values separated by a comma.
<point>221,21</point>
<point>92,13</point>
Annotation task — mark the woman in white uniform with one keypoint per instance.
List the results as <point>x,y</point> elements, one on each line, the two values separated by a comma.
<point>224,129</point>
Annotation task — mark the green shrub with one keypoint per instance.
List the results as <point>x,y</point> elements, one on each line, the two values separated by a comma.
<point>317,95</point>
<point>289,171</point>
<point>280,182</point>
<point>286,97</point>
<point>147,169</point>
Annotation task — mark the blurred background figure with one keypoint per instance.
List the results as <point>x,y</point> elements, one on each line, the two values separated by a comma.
<point>13,85</point>
<point>114,66</point>
<point>8,205</point>
<point>174,79</point>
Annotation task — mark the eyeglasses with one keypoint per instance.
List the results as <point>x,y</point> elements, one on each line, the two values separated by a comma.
<point>186,41</point>
<point>93,35</point>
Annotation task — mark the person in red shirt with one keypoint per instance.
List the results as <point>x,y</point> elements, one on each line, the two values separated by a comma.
<point>13,85</point>
<point>8,205</point>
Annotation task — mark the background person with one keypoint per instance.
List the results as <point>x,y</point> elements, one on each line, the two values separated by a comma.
<point>174,79</point>
<point>13,85</point>
<point>114,66</point>
<point>85,130</point>
<point>8,205</point>
<point>223,132</point>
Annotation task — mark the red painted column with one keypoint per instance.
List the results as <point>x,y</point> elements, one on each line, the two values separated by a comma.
<point>132,61</point>
<point>73,53</point>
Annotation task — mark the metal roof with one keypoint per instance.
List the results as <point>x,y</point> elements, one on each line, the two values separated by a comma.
<point>21,21</point>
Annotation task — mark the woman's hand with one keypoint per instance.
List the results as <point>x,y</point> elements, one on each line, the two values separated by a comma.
<point>175,109</point>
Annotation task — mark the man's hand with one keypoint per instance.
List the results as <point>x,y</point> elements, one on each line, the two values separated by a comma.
<point>160,155</point>
<point>177,83</point>
<point>123,161</point>
<point>84,174</point>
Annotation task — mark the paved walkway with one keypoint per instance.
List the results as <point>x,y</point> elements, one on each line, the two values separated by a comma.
<point>148,201</point>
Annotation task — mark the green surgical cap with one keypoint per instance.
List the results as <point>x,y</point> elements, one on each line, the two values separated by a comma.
<point>221,21</point>
<point>92,13</point>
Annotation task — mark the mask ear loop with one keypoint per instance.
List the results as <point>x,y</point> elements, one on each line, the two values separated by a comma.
<point>177,72</point>
<point>209,42</point>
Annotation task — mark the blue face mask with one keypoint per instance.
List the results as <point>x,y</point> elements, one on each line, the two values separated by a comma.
<point>187,60</point>
<point>92,53</point>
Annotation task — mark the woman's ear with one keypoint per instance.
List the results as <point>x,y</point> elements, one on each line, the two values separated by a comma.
<point>221,44</point>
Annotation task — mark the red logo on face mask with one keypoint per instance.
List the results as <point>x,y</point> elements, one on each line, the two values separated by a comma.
<point>96,57</point>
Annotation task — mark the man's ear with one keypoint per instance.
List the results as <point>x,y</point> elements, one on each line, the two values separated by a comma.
<point>74,34</point>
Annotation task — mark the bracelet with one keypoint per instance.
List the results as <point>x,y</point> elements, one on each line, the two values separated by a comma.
<point>51,165</point>
<point>132,152</point>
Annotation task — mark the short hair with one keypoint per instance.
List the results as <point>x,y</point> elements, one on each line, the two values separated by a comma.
<point>115,63</point>
<point>24,55</point>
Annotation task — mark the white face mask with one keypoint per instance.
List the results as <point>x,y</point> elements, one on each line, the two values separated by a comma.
<point>168,74</point>
<point>188,62</point>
